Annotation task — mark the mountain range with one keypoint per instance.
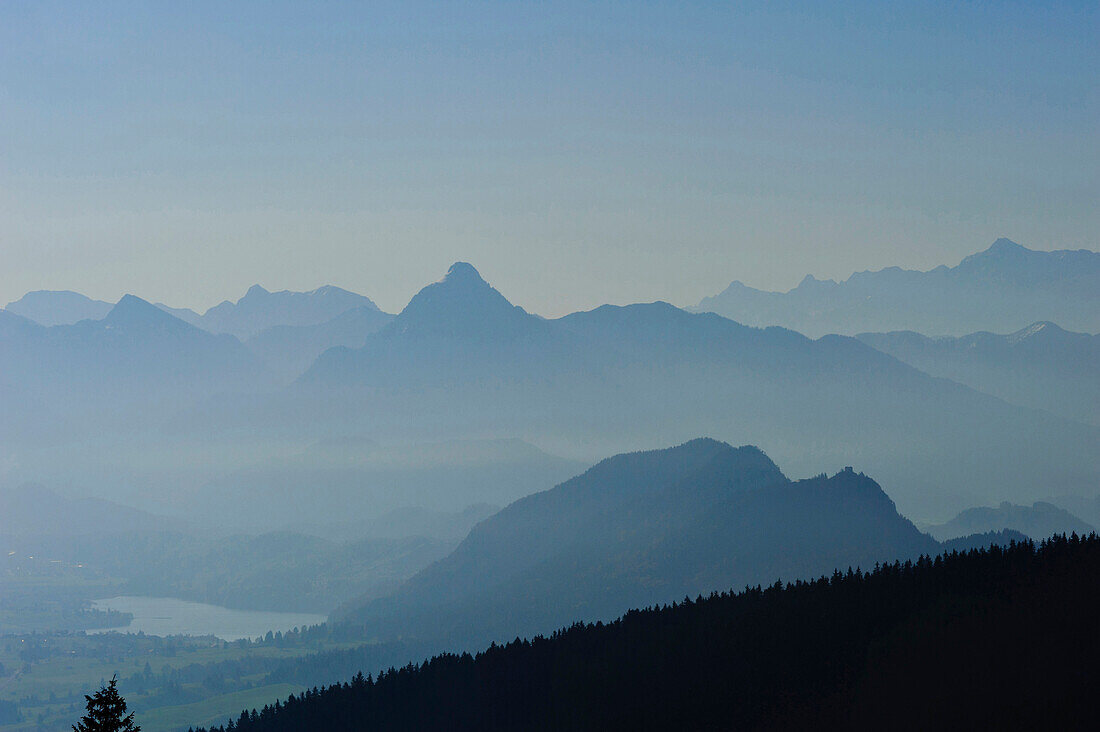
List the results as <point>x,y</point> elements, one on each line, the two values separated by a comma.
<point>34,510</point>
<point>1041,366</point>
<point>255,312</point>
<point>1001,289</point>
<point>641,529</point>
<point>289,350</point>
<point>259,310</point>
<point>286,330</point>
<point>58,307</point>
<point>461,359</point>
<point>1039,521</point>
<point>142,401</point>
<point>135,356</point>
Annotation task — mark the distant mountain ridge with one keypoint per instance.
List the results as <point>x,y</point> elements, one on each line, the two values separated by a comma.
<point>462,362</point>
<point>644,528</point>
<point>58,307</point>
<point>34,510</point>
<point>1000,289</point>
<point>286,330</point>
<point>462,359</point>
<point>260,309</point>
<point>1039,521</point>
<point>256,311</point>
<point>1041,366</point>
<point>290,350</point>
<point>460,323</point>
<point>101,369</point>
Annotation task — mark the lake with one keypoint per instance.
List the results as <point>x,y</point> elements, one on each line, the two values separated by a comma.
<point>168,616</point>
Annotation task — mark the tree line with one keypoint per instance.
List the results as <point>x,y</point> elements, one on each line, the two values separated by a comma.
<point>985,637</point>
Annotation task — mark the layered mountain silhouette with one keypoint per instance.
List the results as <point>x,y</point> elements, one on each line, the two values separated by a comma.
<point>13,325</point>
<point>461,360</point>
<point>34,510</point>
<point>1039,521</point>
<point>454,330</point>
<point>1041,366</point>
<point>289,350</point>
<point>406,522</point>
<point>1000,289</point>
<point>138,344</point>
<point>1085,507</point>
<point>135,356</point>
<point>259,310</point>
<point>463,306</point>
<point>639,529</point>
<point>58,307</point>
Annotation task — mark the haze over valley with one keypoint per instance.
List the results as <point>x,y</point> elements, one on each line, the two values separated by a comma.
<point>548,366</point>
<point>465,382</point>
<point>306,455</point>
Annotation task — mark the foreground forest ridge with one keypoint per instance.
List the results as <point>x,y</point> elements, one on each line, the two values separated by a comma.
<point>988,638</point>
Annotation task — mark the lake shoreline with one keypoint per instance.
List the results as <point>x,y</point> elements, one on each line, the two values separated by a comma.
<point>167,616</point>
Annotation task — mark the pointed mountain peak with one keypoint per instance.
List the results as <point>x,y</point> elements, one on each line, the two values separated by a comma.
<point>1002,253</point>
<point>809,281</point>
<point>1005,245</point>
<point>463,272</point>
<point>131,305</point>
<point>998,250</point>
<point>1044,330</point>
<point>462,304</point>
<point>255,291</point>
<point>132,311</point>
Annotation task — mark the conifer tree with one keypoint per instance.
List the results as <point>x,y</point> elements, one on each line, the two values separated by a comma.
<point>106,712</point>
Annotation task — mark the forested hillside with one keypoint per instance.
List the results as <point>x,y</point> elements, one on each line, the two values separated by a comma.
<point>999,637</point>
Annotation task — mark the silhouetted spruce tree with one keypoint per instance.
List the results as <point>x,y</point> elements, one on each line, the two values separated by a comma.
<point>106,712</point>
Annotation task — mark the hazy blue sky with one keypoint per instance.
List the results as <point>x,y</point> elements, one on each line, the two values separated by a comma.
<point>577,153</point>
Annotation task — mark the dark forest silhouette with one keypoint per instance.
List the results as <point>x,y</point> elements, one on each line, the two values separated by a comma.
<point>984,638</point>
